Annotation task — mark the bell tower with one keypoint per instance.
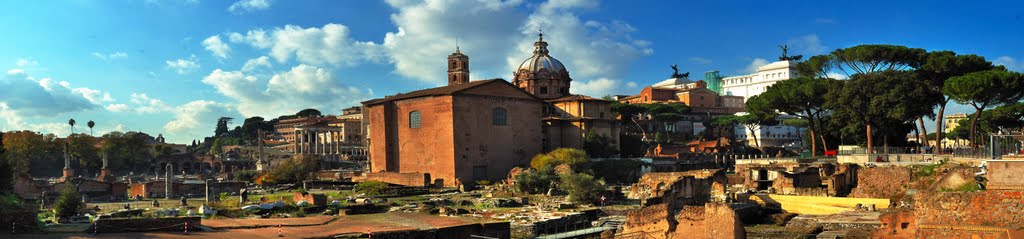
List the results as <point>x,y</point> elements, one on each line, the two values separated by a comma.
<point>458,68</point>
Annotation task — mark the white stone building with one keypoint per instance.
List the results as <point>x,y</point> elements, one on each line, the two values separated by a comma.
<point>758,82</point>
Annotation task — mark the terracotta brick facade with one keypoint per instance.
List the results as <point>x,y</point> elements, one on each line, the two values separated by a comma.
<point>458,139</point>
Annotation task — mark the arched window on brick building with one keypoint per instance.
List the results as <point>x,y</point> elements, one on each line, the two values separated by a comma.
<point>414,119</point>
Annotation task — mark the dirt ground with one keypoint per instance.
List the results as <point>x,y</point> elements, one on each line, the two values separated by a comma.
<point>266,228</point>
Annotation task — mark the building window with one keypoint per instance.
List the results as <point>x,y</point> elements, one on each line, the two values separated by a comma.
<point>499,116</point>
<point>543,89</point>
<point>414,119</point>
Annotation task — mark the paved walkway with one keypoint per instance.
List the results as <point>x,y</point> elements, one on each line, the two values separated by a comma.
<point>355,224</point>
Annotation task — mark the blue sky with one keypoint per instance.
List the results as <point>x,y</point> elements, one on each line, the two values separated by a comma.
<point>173,67</point>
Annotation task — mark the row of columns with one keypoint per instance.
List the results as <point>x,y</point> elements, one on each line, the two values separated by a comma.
<point>327,143</point>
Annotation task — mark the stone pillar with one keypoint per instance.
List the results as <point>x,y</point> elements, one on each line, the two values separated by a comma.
<point>211,196</point>
<point>296,139</point>
<point>168,181</point>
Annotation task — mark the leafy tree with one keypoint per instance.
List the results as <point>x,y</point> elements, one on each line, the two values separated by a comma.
<point>1010,116</point>
<point>799,124</point>
<point>244,175</point>
<point>535,181</point>
<point>582,188</point>
<point>82,148</point>
<point>983,89</point>
<point>222,126</point>
<point>722,125</point>
<point>69,202</point>
<point>251,127</point>
<point>630,111</point>
<point>293,170</point>
<point>754,122</point>
<point>632,146</point>
<point>72,123</point>
<point>664,114</point>
<point>308,113</point>
<point>575,158</point>
<point>128,151</point>
<point>371,188</point>
<point>938,67</point>
<point>801,97</point>
<point>865,59</point>
<point>6,172</point>
<point>599,145</point>
<point>884,99</point>
<point>90,124</point>
<point>33,153</point>
<point>216,148</point>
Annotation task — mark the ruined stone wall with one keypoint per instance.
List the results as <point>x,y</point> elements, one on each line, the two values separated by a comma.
<point>882,182</point>
<point>896,225</point>
<point>18,221</point>
<point>26,188</point>
<point>693,187</point>
<point>983,208</point>
<point>1005,175</point>
<point>712,220</point>
<point>655,221</point>
<point>404,179</point>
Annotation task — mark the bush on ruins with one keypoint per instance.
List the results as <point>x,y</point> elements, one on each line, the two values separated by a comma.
<point>370,188</point>
<point>582,188</point>
<point>293,170</point>
<point>535,181</point>
<point>69,202</point>
<point>575,158</point>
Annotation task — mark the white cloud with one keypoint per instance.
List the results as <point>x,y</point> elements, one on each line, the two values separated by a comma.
<point>246,6</point>
<point>26,62</point>
<point>1010,63</point>
<point>183,66</point>
<point>330,44</point>
<point>700,60</point>
<point>597,88</point>
<point>94,96</point>
<point>257,38</point>
<point>195,114</point>
<point>253,64</point>
<point>145,104</point>
<point>806,45</point>
<point>427,32</point>
<point>631,84</point>
<point>111,56</point>
<point>757,62</point>
<point>26,96</point>
<point>836,75</point>
<point>117,107</point>
<point>303,86</point>
<point>217,47</point>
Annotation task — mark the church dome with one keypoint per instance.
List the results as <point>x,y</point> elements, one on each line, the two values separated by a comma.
<point>541,60</point>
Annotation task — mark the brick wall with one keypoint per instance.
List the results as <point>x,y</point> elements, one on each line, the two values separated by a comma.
<point>984,208</point>
<point>404,179</point>
<point>882,182</point>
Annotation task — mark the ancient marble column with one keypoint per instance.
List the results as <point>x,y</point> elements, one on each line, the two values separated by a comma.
<point>168,185</point>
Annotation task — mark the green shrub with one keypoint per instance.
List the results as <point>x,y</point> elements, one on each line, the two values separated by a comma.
<point>371,188</point>
<point>535,182</point>
<point>245,175</point>
<point>69,202</point>
<point>9,201</point>
<point>575,158</point>
<point>582,188</point>
<point>482,182</point>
